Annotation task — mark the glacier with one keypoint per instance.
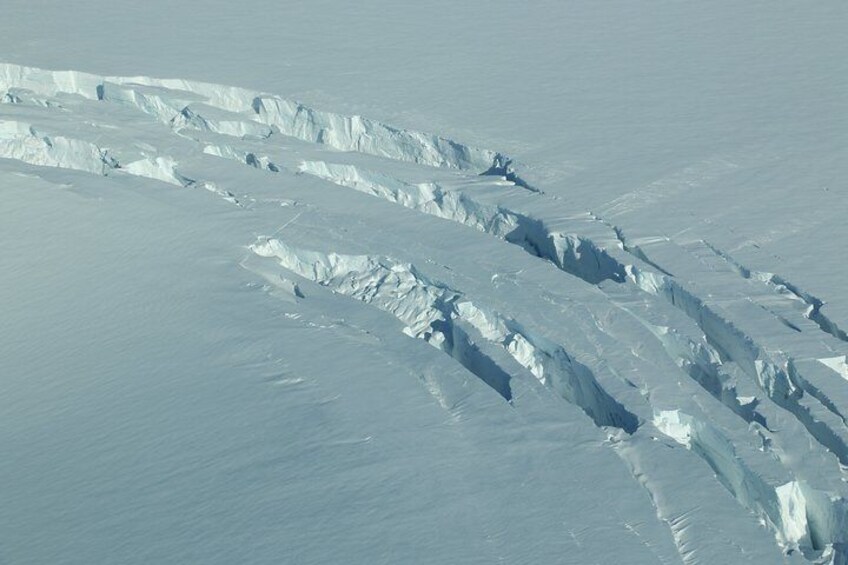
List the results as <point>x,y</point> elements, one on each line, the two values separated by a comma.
<point>396,283</point>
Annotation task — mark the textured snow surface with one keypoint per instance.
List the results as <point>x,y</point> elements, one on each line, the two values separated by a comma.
<point>529,319</point>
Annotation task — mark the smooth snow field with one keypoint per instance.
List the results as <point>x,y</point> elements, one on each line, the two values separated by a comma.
<point>423,283</point>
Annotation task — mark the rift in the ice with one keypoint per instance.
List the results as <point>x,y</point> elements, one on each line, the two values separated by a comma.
<point>433,312</point>
<point>531,235</point>
<point>799,515</point>
<point>168,100</point>
<point>781,285</point>
<point>570,252</point>
<point>582,258</point>
<point>460,345</point>
<point>457,326</point>
<point>782,385</point>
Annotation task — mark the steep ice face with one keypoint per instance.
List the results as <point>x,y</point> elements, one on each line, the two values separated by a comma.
<point>431,310</point>
<point>23,142</point>
<point>202,117</point>
<point>355,133</point>
<point>801,517</point>
<point>161,168</point>
<point>583,258</point>
<point>838,364</point>
<point>429,198</point>
<point>168,99</point>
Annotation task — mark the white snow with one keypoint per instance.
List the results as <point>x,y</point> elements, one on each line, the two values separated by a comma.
<point>438,282</point>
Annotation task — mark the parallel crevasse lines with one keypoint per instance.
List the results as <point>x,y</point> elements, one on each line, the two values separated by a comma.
<point>432,311</point>
<point>783,287</point>
<point>583,258</point>
<point>167,100</point>
<point>436,313</point>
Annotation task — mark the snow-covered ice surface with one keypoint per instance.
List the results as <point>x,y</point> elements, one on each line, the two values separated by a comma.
<point>442,283</point>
